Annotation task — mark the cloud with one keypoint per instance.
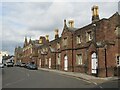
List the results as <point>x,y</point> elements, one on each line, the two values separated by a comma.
<point>33,19</point>
<point>10,46</point>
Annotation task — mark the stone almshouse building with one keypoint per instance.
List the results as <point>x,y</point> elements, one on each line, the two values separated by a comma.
<point>93,49</point>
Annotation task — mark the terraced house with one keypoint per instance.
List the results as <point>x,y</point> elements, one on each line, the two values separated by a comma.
<point>92,49</point>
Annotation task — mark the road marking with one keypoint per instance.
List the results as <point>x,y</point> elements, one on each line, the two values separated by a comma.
<point>95,83</point>
<point>27,74</point>
<point>14,82</point>
<point>85,80</point>
<point>100,86</point>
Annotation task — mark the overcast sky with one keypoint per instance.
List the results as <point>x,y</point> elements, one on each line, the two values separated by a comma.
<point>35,19</point>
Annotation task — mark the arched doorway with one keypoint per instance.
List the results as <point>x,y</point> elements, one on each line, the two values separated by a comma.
<point>49,62</point>
<point>94,63</point>
<point>65,63</point>
<point>40,63</point>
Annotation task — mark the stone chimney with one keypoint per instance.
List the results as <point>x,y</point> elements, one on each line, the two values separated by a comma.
<point>95,14</point>
<point>56,33</point>
<point>40,40</point>
<point>65,22</point>
<point>71,23</point>
<point>47,38</point>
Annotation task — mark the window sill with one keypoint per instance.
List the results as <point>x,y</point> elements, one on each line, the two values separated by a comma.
<point>79,65</point>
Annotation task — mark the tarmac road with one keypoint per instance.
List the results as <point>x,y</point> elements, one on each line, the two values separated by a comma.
<point>16,77</point>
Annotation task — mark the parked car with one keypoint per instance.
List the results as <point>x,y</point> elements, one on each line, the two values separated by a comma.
<point>1,65</point>
<point>22,65</point>
<point>9,64</point>
<point>18,64</point>
<point>32,66</point>
<point>27,65</point>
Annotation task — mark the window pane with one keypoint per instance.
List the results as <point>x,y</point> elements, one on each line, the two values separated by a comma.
<point>79,59</point>
<point>78,39</point>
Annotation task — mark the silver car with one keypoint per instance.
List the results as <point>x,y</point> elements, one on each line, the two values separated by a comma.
<point>1,65</point>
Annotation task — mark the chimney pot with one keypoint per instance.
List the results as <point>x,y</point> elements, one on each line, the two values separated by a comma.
<point>56,33</point>
<point>40,40</point>
<point>71,23</point>
<point>95,15</point>
<point>47,37</point>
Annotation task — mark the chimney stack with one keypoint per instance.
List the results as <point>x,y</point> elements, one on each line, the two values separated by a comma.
<point>65,22</point>
<point>47,38</point>
<point>71,23</point>
<point>56,33</point>
<point>95,14</point>
<point>40,40</point>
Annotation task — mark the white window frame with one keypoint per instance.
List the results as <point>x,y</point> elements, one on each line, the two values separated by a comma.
<point>58,45</point>
<point>58,59</point>
<point>89,36</point>
<point>79,59</point>
<point>78,39</point>
<point>65,41</point>
<point>31,50</point>
<point>118,60</point>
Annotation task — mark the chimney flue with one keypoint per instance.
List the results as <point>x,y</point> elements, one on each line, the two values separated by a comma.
<point>95,14</point>
<point>71,23</point>
<point>56,33</point>
<point>40,40</point>
<point>47,37</point>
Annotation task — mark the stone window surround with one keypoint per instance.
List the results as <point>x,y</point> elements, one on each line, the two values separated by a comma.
<point>80,62</point>
<point>78,39</point>
<point>58,59</point>
<point>65,41</point>
<point>89,36</point>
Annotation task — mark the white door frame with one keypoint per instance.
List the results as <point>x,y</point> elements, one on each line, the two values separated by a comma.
<point>65,63</point>
<point>40,63</point>
<point>94,63</point>
<point>49,62</point>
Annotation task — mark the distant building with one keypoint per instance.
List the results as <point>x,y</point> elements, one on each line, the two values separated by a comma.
<point>3,53</point>
<point>18,54</point>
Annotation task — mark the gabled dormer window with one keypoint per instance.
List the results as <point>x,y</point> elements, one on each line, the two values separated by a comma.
<point>64,41</point>
<point>58,45</point>
<point>89,36</point>
<point>79,59</point>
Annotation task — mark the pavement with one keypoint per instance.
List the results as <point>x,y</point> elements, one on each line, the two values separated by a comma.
<point>90,78</point>
<point>0,78</point>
